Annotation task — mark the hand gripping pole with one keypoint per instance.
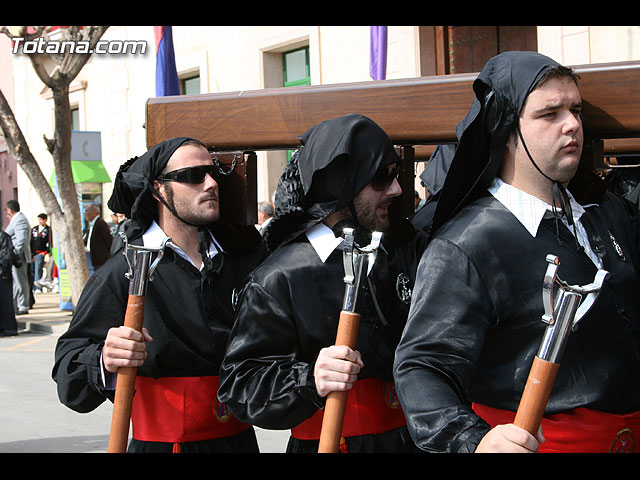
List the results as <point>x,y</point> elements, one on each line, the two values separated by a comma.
<point>141,268</point>
<point>564,307</point>
<point>358,262</point>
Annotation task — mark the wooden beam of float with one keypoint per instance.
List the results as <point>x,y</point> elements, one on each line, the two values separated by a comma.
<point>414,111</point>
<point>274,118</point>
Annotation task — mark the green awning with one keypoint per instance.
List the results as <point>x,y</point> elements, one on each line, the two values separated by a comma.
<point>85,171</point>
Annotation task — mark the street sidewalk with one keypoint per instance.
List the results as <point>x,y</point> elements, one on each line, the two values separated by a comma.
<point>45,316</point>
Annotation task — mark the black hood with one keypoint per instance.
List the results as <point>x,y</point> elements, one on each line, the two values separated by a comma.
<point>133,194</point>
<point>436,170</point>
<point>501,90</point>
<point>133,187</point>
<point>337,159</point>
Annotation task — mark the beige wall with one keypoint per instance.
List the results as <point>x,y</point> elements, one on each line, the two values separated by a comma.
<point>111,91</point>
<point>579,45</point>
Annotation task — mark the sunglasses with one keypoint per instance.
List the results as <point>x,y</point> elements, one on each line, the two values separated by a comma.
<point>383,178</point>
<point>190,174</point>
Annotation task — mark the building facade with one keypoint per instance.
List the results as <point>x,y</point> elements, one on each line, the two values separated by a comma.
<point>110,93</point>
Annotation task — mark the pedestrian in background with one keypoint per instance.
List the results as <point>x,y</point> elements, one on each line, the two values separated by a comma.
<point>121,227</point>
<point>97,238</point>
<point>40,248</point>
<point>265,214</point>
<point>18,229</point>
<point>8,325</point>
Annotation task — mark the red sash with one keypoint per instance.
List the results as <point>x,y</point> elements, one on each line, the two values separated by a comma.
<point>579,431</point>
<point>372,408</point>
<point>180,409</point>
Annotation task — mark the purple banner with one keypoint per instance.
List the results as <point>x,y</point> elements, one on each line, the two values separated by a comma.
<point>378,55</point>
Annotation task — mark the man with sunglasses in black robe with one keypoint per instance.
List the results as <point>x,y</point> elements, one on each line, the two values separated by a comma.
<point>514,193</point>
<point>170,191</point>
<point>281,362</point>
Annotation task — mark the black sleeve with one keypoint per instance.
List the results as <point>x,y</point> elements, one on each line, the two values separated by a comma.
<point>262,379</point>
<point>436,357</point>
<point>76,370</point>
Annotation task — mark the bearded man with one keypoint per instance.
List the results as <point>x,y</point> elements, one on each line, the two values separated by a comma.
<point>281,361</point>
<point>170,191</point>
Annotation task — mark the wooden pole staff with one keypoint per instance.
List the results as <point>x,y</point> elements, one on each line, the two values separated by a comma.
<point>563,311</point>
<point>357,263</point>
<point>140,273</point>
<point>336,402</point>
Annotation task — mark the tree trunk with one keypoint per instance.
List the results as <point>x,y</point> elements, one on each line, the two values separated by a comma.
<point>66,219</point>
<point>71,234</point>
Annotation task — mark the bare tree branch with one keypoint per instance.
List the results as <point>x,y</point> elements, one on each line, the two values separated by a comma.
<point>74,63</point>
<point>22,154</point>
<point>37,59</point>
<point>56,71</point>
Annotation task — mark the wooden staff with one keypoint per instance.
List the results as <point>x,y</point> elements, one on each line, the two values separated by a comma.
<point>139,274</point>
<point>357,264</point>
<point>563,311</point>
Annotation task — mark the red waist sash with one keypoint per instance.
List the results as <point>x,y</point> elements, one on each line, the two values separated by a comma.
<point>579,431</point>
<point>180,409</point>
<point>372,408</point>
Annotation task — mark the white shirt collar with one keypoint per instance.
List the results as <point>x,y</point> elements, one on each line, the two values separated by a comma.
<point>529,210</point>
<point>323,240</point>
<point>154,236</point>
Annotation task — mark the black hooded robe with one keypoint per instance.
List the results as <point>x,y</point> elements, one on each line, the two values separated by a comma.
<point>290,308</point>
<point>476,320</point>
<point>188,312</point>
